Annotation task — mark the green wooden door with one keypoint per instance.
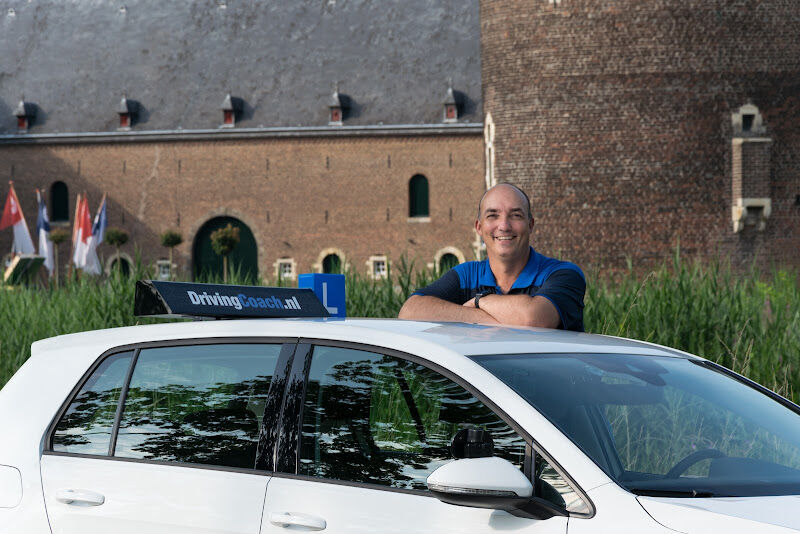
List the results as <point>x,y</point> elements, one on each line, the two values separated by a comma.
<point>207,264</point>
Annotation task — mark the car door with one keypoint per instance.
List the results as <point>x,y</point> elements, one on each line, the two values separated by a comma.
<point>362,430</point>
<point>168,439</point>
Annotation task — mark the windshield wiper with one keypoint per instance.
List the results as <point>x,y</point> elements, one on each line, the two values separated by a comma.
<point>695,493</point>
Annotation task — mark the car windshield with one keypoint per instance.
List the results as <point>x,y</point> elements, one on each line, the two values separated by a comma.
<point>664,426</point>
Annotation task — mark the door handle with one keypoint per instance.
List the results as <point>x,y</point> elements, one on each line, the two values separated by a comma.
<point>291,519</point>
<point>80,497</point>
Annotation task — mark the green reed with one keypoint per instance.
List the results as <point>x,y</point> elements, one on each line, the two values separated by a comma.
<point>748,322</point>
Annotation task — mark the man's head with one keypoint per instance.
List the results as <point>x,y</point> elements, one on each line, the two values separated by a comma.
<point>505,222</point>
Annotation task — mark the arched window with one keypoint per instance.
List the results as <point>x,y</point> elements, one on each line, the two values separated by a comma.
<point>242,261</point>
<point>447,262</point>
<point>332,264</point>
<point>418,196</point>
<point>59,202</point>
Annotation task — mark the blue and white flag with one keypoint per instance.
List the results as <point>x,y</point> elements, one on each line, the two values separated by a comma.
<point>43,230</point>
<point>100,223</point>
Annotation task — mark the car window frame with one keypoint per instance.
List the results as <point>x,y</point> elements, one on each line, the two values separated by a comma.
<point>290,427</point>
<point>267,439</point>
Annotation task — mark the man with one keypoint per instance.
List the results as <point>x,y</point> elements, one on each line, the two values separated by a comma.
<point>515,285</point>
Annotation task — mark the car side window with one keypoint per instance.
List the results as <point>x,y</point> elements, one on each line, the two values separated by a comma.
<point>200,404</point>
<point>373,418</point>
<point>85,427</point>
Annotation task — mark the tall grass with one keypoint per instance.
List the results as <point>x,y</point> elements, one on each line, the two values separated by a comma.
<point>750,322</point>
<point>747,322</point>
<point>28,314</point>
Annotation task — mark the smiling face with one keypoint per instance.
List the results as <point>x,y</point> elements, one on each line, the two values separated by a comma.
<point>505,224</point>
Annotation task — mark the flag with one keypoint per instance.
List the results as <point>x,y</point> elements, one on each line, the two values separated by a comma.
<point>75,223</point>
<point>81,233</point>
<point>100,223</point>
<point>43,229</point>
<point>12,216</point>
<point>92,263</point>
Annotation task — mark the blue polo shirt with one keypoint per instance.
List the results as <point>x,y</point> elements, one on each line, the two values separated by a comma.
<point>560,282</point>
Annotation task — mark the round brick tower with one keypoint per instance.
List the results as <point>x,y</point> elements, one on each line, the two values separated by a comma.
<point>636,125</point>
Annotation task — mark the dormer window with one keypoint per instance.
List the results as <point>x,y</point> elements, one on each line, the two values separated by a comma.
<point>450,105</point>
<point>335,107</point>
<point>25,113</point>
<point>126,111</point>
<point>231,108</point>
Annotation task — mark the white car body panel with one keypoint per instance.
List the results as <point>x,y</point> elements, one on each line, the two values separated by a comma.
<point>617,512</point>
<point>365,510</point>
<point>148,497</point>
<point>732,515</point>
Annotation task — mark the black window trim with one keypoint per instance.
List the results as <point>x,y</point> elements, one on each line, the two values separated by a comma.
<point>285,342</point>
<point>123,396</point>
<point>298,420</point>
<point>208,467</point>
<point>287,450</point>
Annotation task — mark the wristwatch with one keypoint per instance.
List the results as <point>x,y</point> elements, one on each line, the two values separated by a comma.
<point>478,297</point>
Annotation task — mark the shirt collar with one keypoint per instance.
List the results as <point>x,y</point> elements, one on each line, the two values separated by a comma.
<point>524,279</point>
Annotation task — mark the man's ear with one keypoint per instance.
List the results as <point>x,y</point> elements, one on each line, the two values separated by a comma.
<point>530,225</point>
<point>478,226</point>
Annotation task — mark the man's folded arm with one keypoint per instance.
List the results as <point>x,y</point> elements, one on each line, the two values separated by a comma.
<point>442,301</point>
<point>428,308</point>
<point>521,310</point>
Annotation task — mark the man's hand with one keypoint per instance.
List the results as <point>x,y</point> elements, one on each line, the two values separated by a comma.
<point>425,308</point>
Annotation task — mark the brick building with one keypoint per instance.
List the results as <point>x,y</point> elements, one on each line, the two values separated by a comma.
<point>330,133</point>
<point>636,125</point>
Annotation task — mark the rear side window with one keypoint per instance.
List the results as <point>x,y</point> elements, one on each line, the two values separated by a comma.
<point>86,426</point>
<point>379,419</point>
<point>199,404</point>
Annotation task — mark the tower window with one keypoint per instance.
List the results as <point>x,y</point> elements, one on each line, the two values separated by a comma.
<point>747,122</point>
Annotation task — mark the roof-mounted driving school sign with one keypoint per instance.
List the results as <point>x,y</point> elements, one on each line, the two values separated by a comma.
<point>180,299</point>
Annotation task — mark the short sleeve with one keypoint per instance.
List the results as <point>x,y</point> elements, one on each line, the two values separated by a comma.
<point>448,288</point>
<point>565,288</point>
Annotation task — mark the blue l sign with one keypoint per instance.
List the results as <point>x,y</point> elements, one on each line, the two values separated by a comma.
<point>329,289</point>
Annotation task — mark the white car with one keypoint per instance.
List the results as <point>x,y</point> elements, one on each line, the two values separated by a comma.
<point>297,425</point>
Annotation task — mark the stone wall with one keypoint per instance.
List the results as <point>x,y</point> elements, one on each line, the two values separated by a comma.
<point>616,117</point>
<point>298,196</point>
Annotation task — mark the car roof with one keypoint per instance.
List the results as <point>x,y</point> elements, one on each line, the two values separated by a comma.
<point>419,337</point>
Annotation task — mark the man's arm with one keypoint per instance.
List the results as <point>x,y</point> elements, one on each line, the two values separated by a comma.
<point>427,308</point>
<point>519,310</point>
<point>441,301</point>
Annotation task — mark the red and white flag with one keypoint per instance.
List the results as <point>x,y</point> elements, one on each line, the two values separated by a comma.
<point>81,233</point>
<point>12,216</point>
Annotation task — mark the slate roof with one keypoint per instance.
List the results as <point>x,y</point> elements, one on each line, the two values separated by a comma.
<point>177,61</point>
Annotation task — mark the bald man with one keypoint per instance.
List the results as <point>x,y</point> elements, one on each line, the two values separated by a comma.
<point>514,285</point>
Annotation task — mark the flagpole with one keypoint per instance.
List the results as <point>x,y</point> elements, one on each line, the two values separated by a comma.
<point>42,276</point>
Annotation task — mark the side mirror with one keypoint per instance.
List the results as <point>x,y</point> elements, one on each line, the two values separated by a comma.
<point>489,483</point>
